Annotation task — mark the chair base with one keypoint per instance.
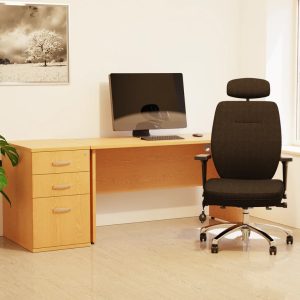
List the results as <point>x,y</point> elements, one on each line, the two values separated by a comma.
<point>245,228</point>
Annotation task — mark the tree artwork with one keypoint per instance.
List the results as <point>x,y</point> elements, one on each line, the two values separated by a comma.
<point>44,46</point>
<point>34,44</point>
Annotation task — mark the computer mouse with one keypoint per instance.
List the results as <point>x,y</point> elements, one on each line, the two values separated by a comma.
<point>197,134</point>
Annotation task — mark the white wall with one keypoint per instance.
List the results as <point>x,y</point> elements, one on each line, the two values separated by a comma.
<point>198,38</point>
<point>281,61</point>
<point>268,50</point>
<point>252,49</point>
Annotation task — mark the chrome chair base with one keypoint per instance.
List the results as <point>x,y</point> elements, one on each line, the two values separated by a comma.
<point>245,229</point>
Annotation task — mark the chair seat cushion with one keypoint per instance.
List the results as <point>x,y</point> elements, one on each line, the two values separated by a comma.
<point>243,192</point>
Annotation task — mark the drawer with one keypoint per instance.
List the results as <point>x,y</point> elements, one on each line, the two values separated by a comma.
<point>60,161</point>
<point>50,185</point>
<point>59,221</point>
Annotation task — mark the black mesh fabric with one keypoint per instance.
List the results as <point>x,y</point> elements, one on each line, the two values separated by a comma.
<point>248,88</point>
<point>243,193</point>
<point>246,139</point>
<point>245,146</point>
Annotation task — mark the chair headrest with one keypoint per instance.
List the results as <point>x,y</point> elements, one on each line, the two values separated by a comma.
<point>248,88</point>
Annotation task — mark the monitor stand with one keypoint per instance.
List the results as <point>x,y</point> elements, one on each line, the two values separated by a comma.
<point>140,133</point>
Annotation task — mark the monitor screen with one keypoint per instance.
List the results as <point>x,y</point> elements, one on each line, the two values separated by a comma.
<point>143,101</point>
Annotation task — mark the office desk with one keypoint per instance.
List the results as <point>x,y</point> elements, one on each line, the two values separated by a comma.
<point>58,171</point>
<point>127,164</point>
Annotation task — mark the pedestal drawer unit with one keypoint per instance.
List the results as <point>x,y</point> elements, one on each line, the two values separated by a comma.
<point>50,194</point>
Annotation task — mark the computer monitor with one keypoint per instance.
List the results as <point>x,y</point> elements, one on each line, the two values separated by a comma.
<point>143,101</point>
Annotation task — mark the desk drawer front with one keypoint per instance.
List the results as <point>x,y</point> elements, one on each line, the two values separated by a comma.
<point>60,161</point>
<point>50,185</point>
<point>60,221</point>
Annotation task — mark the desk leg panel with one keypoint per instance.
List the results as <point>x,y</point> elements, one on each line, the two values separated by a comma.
<point>231,214</point>
<point>93,196</point>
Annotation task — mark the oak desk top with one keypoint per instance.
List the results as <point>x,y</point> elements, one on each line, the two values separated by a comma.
<point>103,143</point>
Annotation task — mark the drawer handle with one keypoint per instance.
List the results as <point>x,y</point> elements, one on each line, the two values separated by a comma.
<point>61,163</point>
<point>60,187</point>
<point>61,210</point>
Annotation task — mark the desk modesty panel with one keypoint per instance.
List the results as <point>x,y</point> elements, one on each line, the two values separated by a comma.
<point>79,169</point>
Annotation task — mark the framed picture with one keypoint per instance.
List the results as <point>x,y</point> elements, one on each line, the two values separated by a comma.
<point>34,43</point>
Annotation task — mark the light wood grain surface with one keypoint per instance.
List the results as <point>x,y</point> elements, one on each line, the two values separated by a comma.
<point>153,260</point>
<point>49,185</point>
<point>103,143</point>
<point>60,161</point>
<point>126,169</point>
<point>37,220</point>
<point>55,168</point>
<point>232,214</point>
<point>52,144</point>
<point>93,195</point>
<point>60,221</point>
<point>17,219</point>
<point>132,142</point>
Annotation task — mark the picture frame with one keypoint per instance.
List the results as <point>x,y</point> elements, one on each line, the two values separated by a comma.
<point>34,43</point>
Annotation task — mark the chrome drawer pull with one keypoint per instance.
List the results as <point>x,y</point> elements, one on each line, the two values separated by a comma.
<point>61,163</point>
<point>61,210</point>
<point>60,187</point>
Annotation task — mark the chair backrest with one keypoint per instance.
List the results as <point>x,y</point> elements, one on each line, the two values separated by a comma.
<point>246,135</point>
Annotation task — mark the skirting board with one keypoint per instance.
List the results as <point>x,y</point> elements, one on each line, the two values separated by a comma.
<point>147,215</point>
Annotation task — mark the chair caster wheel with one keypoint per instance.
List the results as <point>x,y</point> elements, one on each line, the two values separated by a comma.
<point>273,250</point>
<point>203,237</point>
<point>289,239</point>
<point>214,249</point>
<point>202,217</point>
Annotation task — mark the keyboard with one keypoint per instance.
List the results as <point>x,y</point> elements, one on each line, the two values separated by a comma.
<point>161,137</point>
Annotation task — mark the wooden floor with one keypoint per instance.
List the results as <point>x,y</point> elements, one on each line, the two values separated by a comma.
<point>153,260</point>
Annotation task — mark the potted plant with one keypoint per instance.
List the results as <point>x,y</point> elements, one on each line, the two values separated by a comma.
<point>6,150</point>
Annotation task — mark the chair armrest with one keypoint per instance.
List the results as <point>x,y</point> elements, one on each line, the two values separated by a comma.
<point>285,161</point>
<point>204,159</point>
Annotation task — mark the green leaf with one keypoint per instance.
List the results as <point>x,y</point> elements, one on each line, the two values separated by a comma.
<point>10,151</point>
<point>3,180</point>
<point>3,143</point>
<point>6,197</point>
<point>6,150</point>
<point>2,138</point>
<point>12,154</point>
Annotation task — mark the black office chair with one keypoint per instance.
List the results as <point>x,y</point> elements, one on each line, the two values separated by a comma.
<point>246,148</point>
